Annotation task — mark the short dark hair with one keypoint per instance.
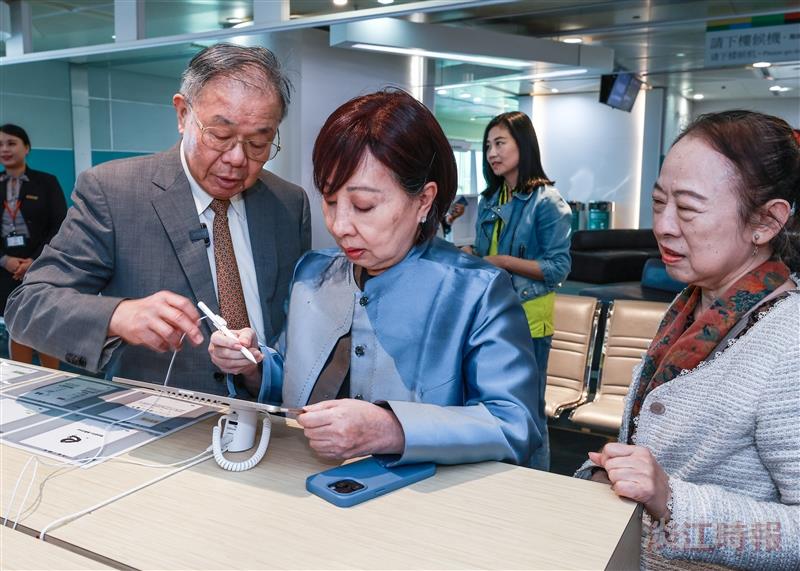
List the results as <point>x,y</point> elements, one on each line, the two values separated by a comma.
<point>230,60</point>
<point>531,172</point>
<point>16,131</point>
<point>398,131</point>
<point>766,156</point>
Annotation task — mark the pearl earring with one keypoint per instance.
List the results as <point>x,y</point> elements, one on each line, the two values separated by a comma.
<point>756,237</point>
<point>423,220</point>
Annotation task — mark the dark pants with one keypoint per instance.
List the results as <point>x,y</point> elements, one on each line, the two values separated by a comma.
<point>541,349</point>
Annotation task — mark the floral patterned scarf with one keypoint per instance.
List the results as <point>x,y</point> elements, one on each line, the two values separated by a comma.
<point>681,343</point>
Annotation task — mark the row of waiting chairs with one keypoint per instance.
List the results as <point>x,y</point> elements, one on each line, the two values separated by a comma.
<point>626,328</point>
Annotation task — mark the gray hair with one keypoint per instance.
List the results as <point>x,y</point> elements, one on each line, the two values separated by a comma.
<point>232,61</point>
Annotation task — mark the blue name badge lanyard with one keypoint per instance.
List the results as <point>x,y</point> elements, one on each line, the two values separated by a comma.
<point>14,240</point>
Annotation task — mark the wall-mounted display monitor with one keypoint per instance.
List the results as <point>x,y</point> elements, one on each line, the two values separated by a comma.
<point>619,90</point>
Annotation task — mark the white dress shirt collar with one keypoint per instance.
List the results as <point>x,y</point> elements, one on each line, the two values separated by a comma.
<point>202,199</point>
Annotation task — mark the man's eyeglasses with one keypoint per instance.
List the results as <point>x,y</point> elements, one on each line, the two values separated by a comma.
<point>222,140</point>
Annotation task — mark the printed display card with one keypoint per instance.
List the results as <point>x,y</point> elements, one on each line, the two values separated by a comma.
<point>79,418</point>
<point>17,414</point>
<point>12,373</point>
<point>72,394</point>
<point>157,413</point>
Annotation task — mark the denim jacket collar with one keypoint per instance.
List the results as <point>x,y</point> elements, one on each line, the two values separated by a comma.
<point>523,196</point>
<point>543,207</point>
<point>506,210</point>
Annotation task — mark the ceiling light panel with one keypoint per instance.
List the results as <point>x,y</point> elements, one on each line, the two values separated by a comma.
<point>471,45</point>
<point>468,58</point>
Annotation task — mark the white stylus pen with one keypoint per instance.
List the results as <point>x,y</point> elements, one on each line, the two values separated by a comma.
<point>222,325</point>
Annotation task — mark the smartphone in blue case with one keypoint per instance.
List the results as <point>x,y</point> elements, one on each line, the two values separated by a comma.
<point>357,482</point>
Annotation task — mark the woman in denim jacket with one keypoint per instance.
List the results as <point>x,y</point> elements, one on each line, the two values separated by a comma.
<point>524,227</point>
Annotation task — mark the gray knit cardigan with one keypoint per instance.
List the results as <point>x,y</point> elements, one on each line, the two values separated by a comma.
<point>728,435</point>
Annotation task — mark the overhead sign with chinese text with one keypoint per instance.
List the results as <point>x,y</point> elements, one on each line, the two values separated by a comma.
<point>747,40</point>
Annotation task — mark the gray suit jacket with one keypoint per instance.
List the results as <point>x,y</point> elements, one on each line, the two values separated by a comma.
<point>128,235</point>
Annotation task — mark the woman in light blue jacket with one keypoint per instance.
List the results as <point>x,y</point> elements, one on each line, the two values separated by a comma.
<point>524,227</point>
<point>396,342</point>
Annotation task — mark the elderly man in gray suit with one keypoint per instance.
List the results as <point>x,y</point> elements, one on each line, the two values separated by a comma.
<point>155,235</point>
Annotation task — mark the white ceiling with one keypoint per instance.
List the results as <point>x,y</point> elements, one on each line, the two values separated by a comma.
<point>662,40</point>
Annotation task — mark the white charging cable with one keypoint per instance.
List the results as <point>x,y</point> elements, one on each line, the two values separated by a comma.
<point>35,461</point>
<point>107,430</point>
<point>203,456</point>
<point>222,439</point>
<point>76,515</point>
<point>74,464</point>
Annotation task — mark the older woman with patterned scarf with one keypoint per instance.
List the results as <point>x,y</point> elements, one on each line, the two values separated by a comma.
<point>709,442</point>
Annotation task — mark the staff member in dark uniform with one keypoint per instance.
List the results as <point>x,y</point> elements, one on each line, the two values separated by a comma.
<point>33,209</point>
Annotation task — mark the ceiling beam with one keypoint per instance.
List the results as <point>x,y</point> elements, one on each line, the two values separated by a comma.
<point>270,11</point>
<point>128,20</point>
<point>19,44</point>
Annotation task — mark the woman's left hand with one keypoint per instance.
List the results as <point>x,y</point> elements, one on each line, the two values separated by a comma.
<point>635,474</point>
<point>347,428</point>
